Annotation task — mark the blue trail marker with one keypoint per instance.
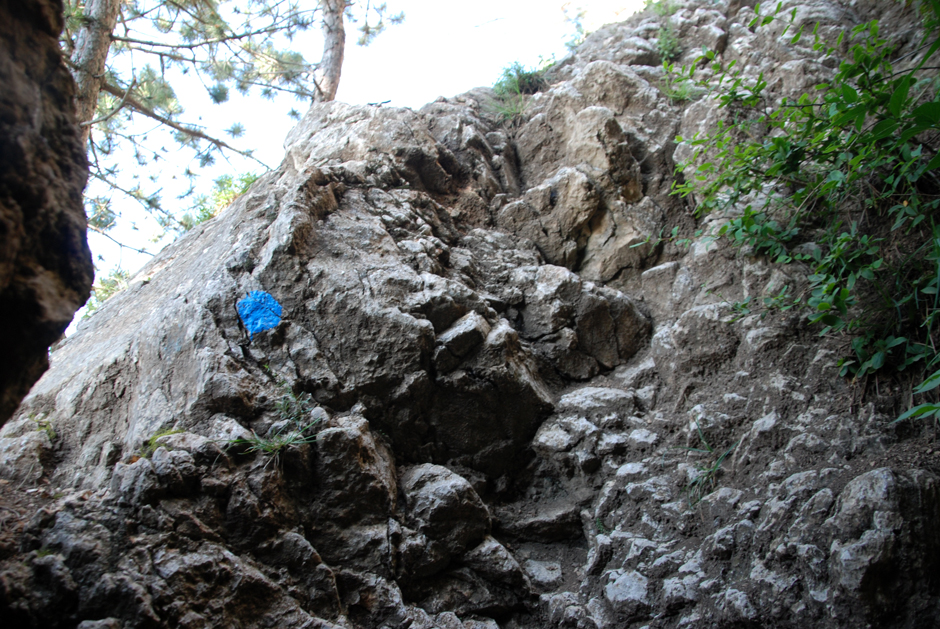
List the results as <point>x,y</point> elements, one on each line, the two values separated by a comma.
<point>259,311</point>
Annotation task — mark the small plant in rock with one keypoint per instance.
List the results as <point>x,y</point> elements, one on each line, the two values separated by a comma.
<point>706,479</point>
<point>514,85</point>
<point>279,439</point>
<point>274,444</point>
<point>293,407</point>
<point>678,88</point>
<point>150,445</point>
<point>662,8</point>
<point>517,79</point>
<point>667,41</point>
<point>292,429</point>
<point>43,425</point>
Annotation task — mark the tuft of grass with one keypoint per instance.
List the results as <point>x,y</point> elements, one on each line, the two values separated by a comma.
<point>680,91</point>
<point>516,80</point>
<point>707,479</point>
<point>273,445</point>
<point>150,445</point>
<point>294,408</point>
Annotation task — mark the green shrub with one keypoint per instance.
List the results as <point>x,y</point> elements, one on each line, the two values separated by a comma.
<point>662,8</point>
<point>667,42</point>
<point>678,88</point>
<point>844,181</point>
<point>513,86</point>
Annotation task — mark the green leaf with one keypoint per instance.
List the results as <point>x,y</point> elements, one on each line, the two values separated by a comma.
<point>849,94</point>
<point>927,114</point>
<point>929,384</point>
<point>917,411</point>
<point>895,341</point>
<point>848,115</point>
<point>909,133</point>
<point>934,163</point>
<point>836,176</point>
<point>883,129</point>
<point>899,96</point>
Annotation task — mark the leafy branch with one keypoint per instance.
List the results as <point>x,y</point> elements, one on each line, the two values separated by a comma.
<point>843,181</point>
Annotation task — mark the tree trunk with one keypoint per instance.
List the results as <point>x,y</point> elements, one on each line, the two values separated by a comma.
<point>334,46</point>
<point>89,56</point>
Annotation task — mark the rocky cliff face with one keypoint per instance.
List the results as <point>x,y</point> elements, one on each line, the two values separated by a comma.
<point>45,265</point>
<point>491,399</point>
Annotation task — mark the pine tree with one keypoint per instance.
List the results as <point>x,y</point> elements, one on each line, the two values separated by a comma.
<point>126,54</point>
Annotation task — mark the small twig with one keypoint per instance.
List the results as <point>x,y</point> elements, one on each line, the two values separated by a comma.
<point>114,111</point>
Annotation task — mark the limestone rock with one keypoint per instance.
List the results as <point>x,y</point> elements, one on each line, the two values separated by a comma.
<point>445,507</point>
<point>520,406</point>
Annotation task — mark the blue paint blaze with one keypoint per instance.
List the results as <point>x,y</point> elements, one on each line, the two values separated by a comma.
<point>259,311</point>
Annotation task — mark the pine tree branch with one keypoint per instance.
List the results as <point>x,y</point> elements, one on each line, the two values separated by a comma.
<point>148,204</point>
<point>114,111</point>
<point>206,42</point>
<point>191,132</point>
<point>118,242</point>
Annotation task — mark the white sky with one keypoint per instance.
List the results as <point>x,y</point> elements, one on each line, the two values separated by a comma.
<point>443,48</point>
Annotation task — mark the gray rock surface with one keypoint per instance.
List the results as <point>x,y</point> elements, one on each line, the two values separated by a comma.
<point>524,419</point>
<point>45,264</point>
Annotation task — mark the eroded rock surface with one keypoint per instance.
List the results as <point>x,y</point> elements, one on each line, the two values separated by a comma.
<point>45,265</point>
<point>525,411</point>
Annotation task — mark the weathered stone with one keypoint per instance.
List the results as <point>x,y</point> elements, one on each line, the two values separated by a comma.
<point>21,458</point>
<point>493,562</point>
<point>351,460</point>
<point>543,574</point>
<point>45,265</point>
<point>628,593</point>
<point>444,506</point>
